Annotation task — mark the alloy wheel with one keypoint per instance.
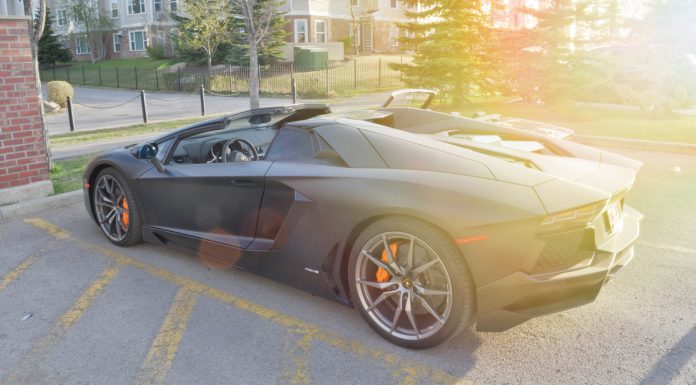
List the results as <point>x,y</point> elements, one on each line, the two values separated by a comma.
<point>403,285</point>
<point>111,207</point>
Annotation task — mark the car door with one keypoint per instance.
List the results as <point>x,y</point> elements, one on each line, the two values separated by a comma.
<point>218,202</point>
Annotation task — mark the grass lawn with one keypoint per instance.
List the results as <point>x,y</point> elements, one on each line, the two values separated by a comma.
<point>120,132</point>
<point>66,174</point>
<point>136,73</point>
<point>598,121</point>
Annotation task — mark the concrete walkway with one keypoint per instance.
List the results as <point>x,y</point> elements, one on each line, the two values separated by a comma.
<point>98,108</point>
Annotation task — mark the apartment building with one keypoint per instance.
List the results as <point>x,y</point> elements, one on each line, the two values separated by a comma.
<point>137,24</point>
<point>141,23</point>
<point>315,22</point>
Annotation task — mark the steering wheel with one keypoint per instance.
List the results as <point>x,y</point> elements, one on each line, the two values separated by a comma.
<point>232,155</point>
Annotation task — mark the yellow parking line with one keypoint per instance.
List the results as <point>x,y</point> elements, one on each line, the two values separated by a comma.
<point>164,347</point>
<point>678,249</point>
<point>407,371</point>
<point>22,267</point>
<point>50,228</point>
<point>296,356</point>
<point>45,344</point>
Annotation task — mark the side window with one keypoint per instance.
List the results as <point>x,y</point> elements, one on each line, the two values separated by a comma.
<point>163,149</point>
<point>290,144</point>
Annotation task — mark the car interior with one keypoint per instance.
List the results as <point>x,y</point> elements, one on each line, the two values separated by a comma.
<point>258,137</point>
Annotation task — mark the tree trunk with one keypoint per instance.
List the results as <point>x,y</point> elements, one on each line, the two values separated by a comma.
<point>355,27</point>
<point>253,72</point>
<point>35,36</point>
<point>210,63</point>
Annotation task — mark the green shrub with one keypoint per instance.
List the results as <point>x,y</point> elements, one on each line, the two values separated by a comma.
<point>58,91</point>
<point>156,52</point>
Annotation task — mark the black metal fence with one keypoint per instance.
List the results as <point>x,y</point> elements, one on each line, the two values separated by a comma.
<point>334,79</point>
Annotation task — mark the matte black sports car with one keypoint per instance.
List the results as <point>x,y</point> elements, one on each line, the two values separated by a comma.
<point>425,222</point>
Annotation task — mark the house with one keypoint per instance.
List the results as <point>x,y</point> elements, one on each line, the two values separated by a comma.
<point>137,24</point>
<point>317,22</point>
<point>142,23</point>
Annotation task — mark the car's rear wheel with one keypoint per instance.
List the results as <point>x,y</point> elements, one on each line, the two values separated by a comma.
<point>410,283</point>
<point>116,209</point>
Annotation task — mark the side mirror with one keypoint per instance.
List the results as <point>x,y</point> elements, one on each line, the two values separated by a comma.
<point>149,152</point>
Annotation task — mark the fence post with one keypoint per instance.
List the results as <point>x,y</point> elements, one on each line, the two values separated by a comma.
<point>143,105</point>
<point>202,100</point>
<point>327,78</point>
<point>293,90</point>
<point>355,74</point>
<point>230,78</point>
<point>136,76</point>
<point>157,78</point>
<point>117,81</point>
<point>84,81</point>
<point>71,120</point>
<point>100,79</point>
<point>401,69</point>
<point>379,76</point>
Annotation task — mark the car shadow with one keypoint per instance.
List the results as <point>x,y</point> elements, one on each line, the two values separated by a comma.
<point>668,367</point>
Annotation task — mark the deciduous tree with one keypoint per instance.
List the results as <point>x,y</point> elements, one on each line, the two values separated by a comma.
<point>205,27</point>
<point>259,18</point>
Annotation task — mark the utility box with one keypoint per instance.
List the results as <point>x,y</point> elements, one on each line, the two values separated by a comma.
<point>311,57</point>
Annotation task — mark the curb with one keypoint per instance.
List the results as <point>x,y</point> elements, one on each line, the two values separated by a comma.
<point>40,204</point>
<point>635,144</point>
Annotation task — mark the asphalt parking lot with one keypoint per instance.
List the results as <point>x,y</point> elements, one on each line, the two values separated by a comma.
<point>77,310</point>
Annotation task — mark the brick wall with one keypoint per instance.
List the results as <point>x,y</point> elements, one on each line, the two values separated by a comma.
<point>22,154</point>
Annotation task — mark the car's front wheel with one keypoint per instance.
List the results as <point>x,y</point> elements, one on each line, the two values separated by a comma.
<point>410,283</point>
<point>116,209</point>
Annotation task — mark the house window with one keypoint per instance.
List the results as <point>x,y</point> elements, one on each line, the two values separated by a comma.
<point>320,31</point>
<point>117,42</point>
<point>157,5</point>
<point>300,30</point>
<point>392,3</point>
<point>114,9</point>
<point>138,40</point>
<point>394,36</point>
<point>81,44</point>
<point>136,6</point>
<point>62,17</point>
<point>172,5</point>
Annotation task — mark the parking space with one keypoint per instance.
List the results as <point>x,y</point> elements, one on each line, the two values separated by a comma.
<point>78,310</point>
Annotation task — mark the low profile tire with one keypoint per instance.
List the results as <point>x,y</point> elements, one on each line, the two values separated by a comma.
<point>116,208</point>
<point>410,283</point>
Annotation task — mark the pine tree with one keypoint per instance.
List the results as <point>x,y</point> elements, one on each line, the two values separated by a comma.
<point>50,50</point>
<point>551,62</point>
<point>450,39</point>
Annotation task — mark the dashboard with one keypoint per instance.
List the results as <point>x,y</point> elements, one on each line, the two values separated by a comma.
<point>209,148</point>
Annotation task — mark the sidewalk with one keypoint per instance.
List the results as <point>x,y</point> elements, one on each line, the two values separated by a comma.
<point>98,108</point>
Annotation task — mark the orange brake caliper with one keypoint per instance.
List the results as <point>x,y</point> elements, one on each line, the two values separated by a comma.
<point>383,275</point>
<point>124,215</point>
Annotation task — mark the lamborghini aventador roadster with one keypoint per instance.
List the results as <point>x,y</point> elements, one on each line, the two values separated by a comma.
<point>425,222</point>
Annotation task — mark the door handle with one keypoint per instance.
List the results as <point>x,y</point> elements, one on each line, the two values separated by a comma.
<point>243,182</point>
